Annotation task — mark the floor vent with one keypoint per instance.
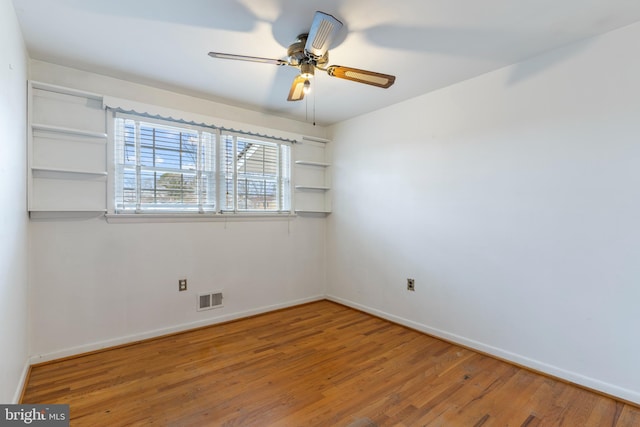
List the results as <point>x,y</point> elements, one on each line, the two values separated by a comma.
<point>209,301</point>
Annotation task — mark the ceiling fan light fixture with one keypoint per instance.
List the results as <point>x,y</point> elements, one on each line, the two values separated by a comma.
<point>307,70</point>
<point>306,88</point>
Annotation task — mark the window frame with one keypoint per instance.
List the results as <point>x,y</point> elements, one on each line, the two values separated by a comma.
<point>284,182</point>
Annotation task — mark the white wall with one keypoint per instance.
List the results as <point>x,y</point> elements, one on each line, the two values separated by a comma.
<point>96,284</point>
<point>13,208</point>
<point>513,200</point>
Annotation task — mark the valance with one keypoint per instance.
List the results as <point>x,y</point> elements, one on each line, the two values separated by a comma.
<point>161,113</point>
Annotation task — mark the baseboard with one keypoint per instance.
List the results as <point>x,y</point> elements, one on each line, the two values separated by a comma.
<point>619,393</point>
<point>24,377</point>
<point>101,345</point>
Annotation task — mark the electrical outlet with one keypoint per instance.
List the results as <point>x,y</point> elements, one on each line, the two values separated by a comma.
<point>411,285</point>
<point>182,285</point>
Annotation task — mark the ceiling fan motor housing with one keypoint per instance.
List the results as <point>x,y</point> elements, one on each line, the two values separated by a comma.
<point>295,52</point>
<point>297,55</point>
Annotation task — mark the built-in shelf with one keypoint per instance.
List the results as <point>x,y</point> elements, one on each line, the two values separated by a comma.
<point>48,214</point>
<point>45,170</point>
<point>312,195</point>
<point>311,212</point>
<point>311,188</point>
<point>69,131</point>
<point>67,153</point>
<point>308,163</point>
<point>65,90</point>
<point>315,139</point>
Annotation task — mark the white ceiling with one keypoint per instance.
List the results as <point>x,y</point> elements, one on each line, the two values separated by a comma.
<point>426,44</point>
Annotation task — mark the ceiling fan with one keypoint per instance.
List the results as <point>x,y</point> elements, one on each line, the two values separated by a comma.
<point>310,52</point>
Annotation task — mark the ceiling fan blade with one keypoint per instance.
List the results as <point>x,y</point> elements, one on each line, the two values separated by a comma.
<point>361,76</point>
<point>248,58</point>
<point>323,31</point>
<point>296,93</point>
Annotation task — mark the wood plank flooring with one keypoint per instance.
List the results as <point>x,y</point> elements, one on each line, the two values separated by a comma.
<point>320,364</point>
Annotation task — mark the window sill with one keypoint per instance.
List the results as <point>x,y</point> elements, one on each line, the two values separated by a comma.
<point>195,217</point>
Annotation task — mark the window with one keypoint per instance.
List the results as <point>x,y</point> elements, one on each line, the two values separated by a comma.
<point>256,174</point>
<point>166,166</point>
<point>163,168</point>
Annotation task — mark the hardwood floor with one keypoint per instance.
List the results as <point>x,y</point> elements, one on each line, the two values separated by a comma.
<point>319,364</point>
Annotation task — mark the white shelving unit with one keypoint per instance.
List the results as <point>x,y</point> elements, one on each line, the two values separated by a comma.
<point>67,152</point>
<point>312,177</point>
<point>67,131</point>
<point>311,188</point>
<point>308,163</point>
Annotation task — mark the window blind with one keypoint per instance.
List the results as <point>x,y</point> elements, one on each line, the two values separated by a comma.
<point>168,166</point>
<point>256,174</point>
<point>161,168</point>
